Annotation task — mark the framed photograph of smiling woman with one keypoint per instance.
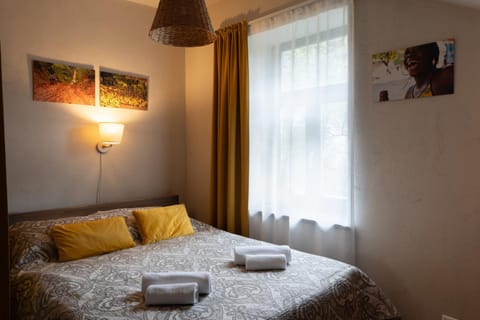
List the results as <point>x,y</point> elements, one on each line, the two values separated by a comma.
<point>418,71</point>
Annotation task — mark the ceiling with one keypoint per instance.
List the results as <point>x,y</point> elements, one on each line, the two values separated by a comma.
<point>154,3</point>
<point>467,3</point>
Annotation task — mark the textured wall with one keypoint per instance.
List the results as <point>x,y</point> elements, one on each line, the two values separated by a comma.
<point>51,161</point>
<point>417,179</point>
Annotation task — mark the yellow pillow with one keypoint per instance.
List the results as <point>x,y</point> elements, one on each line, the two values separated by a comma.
<point>163,223</point>
<point>90,238</point>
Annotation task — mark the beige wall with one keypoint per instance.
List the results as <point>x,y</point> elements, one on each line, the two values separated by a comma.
<point>51,160</point>
<point>417,166</point>
<point>417,182</point>
<point>198,124</point>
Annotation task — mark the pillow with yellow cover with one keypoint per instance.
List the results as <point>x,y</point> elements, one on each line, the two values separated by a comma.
<point>90,238</point>
<point>161,223</point>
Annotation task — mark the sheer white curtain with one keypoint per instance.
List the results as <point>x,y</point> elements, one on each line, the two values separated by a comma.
<point>300,150</point>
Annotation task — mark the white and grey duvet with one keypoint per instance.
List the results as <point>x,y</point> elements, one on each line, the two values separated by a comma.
<point>109,286</point>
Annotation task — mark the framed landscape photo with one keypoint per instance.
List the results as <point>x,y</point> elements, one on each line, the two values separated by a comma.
<point>61,82</point>
<point>418,71</point>
<point>119,90</point>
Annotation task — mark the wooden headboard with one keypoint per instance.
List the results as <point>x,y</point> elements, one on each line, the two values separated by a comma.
<point>86,210</point>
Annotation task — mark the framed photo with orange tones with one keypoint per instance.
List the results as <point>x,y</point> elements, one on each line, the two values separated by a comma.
<point>61,82</point>
<point>119,90</point>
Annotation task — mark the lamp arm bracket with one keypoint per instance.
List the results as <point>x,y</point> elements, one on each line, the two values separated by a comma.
<point>103,147</point>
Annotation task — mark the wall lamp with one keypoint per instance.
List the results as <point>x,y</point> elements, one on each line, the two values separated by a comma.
<point>110,134</point>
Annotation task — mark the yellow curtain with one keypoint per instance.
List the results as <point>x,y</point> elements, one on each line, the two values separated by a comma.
<point>229,189</point>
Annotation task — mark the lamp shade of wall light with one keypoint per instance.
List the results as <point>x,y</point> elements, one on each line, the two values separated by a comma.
<point>110,134</point>
<point>182,23</point>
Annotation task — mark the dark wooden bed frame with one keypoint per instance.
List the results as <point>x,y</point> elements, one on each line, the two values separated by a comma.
<point>86,210</point>
<point>4,265</point>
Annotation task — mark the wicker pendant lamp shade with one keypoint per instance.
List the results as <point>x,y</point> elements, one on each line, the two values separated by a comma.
<point>182,23</point>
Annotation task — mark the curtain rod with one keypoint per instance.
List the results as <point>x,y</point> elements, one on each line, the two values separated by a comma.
<point>269,15</point>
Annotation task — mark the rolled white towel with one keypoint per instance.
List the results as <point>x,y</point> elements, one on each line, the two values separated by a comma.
<point>239,252</point>
<point>201,278</point>
<point>177,293</point>
<point>265,262</point>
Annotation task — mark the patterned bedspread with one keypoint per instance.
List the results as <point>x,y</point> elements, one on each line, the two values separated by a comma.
<point>109,286</point>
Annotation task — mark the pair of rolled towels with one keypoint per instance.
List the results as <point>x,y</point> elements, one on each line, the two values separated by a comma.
<point>167,288</point>
<point>263,257</point>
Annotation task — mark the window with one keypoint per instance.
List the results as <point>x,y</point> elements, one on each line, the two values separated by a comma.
<point>299,114</point>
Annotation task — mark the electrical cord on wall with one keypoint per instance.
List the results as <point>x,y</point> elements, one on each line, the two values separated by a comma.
<point>99,180</point>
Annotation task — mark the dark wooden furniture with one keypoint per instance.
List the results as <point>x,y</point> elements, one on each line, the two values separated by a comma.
<point>4,281</point>
<point>85,210</point>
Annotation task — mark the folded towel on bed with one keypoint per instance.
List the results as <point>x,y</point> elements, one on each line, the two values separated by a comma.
<point>201,278</point>
<point>177,293</point>
<point>265,262</point>
<point>239,252</point>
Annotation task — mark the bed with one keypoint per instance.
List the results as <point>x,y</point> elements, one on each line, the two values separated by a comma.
<point>108,286</point>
